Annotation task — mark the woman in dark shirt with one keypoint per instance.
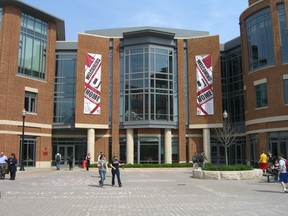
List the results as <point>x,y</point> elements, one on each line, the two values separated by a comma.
<point>115,171</point>
<point>88,158</point>
<point>12,162</point>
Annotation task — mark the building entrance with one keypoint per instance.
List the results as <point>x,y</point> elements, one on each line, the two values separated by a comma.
<point>149,151</point>
<point>66,151</point>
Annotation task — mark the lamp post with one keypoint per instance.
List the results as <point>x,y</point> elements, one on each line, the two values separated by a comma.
<point>22,143</point>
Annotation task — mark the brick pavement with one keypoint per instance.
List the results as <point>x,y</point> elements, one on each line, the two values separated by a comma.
<point>150,192</point>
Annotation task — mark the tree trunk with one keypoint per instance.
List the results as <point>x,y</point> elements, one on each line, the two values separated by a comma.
<point>226,155</point>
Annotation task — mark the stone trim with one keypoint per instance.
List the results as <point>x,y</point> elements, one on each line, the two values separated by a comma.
<point>227,175</point>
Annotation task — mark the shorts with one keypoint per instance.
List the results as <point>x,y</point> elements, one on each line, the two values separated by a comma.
<point>263,166</point>
<point>283,177</point>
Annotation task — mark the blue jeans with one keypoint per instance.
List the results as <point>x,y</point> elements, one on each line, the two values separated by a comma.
<point>102,176</point>
<point>58,165</point>
<point>117,173</point>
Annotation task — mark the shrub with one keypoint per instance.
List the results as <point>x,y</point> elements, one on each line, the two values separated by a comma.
<point>236,167</point>
<point>149,165</point>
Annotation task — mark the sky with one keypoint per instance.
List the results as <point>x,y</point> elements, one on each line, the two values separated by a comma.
<point>218,17</point>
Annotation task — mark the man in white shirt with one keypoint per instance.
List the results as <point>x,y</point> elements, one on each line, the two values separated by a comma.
<point>283,175</point>
<point>3,164</point>
<point>58,160</point>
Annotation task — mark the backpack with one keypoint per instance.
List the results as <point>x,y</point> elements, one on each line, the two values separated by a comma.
<point>201,158</point>
<point>57,158</point>
<point>194,159</point>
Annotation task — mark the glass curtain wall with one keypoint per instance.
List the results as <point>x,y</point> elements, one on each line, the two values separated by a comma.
<point>260,40</point>
<point>148,84</point>
<point>32,47</point>
<point>283,32</point>
<point>65,89</point>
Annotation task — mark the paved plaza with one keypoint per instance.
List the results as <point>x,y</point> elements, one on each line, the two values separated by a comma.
<point>145,192</point>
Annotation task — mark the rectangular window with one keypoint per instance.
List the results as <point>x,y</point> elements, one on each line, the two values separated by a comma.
<point>261,95</point>
<point>30,101</point>
<point>286,91</point>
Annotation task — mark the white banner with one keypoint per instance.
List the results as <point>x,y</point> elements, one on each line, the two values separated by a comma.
<point>92,87</point>
<point>204,75</point>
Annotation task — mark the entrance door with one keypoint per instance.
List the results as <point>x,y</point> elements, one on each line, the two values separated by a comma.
<point>278,147</point>
<point>149,152</point>
<point>66,151</point>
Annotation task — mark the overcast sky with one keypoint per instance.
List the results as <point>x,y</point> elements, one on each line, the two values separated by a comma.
<point>218,17</point>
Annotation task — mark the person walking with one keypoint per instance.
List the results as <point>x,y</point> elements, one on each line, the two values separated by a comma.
<point>202,159</point>
<point>195,160</point>
<point>263,162</point>
<point>58,160</point>
<point>283,175</point>
<point>70,162</point>
<point>3,165</point>
<point>88,158</point>
<point>99,156</point>
<point>12,165</point>
<point>115,171</point>
<point>102,166</point>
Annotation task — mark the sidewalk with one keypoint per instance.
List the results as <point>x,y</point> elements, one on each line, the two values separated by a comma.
<point>144,192</point>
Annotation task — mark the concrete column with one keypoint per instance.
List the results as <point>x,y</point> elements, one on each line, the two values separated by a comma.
<point>206,143</point>
<point>130,146</point>
<point>168,146</point>
<point>91,143</point>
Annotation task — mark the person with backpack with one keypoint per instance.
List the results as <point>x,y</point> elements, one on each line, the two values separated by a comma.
<point>58,160</point>
<point>283,175</point>
<point>202,159</point>
<point>195,160</point>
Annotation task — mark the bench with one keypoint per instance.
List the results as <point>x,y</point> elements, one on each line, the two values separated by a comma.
<point>268,175</point>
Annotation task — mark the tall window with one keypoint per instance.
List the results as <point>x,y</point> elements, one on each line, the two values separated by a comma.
<point>148,84</point>
<point>283,32</point>
<point>260,40</point>
<point>0,17</point>
<point>261,95</point>
<point>32,47</point>
<point>286,91</point>
<point>30,101</point>
<point>65,89</point>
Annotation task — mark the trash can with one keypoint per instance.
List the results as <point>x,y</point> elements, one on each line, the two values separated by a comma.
<point>83,164</point>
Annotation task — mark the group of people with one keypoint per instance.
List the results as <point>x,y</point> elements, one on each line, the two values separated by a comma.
<point>276,166</point>
<point>199,160</point>
<point>58,159</point>
<point>103,167</point>
<point>8,165</point>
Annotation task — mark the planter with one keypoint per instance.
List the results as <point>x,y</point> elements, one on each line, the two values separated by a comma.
<point>227,175</point>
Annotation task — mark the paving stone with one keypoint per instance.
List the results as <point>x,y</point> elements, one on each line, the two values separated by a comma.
<point>150,192</point>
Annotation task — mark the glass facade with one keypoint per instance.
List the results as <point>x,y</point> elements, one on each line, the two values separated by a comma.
<point>32,47</point>
<point>283,32</point>
<point>0,17</point>
<point>149,84</point>
<point>65,89</point>
<point>285,91</point>
<point>260,40</point>
<point>234,82</point>
<point>254,142</point>
<point>261,95</point>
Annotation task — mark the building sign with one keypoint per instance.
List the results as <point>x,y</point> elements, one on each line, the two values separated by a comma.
<point>92,87</point>
<point>204,75</point>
